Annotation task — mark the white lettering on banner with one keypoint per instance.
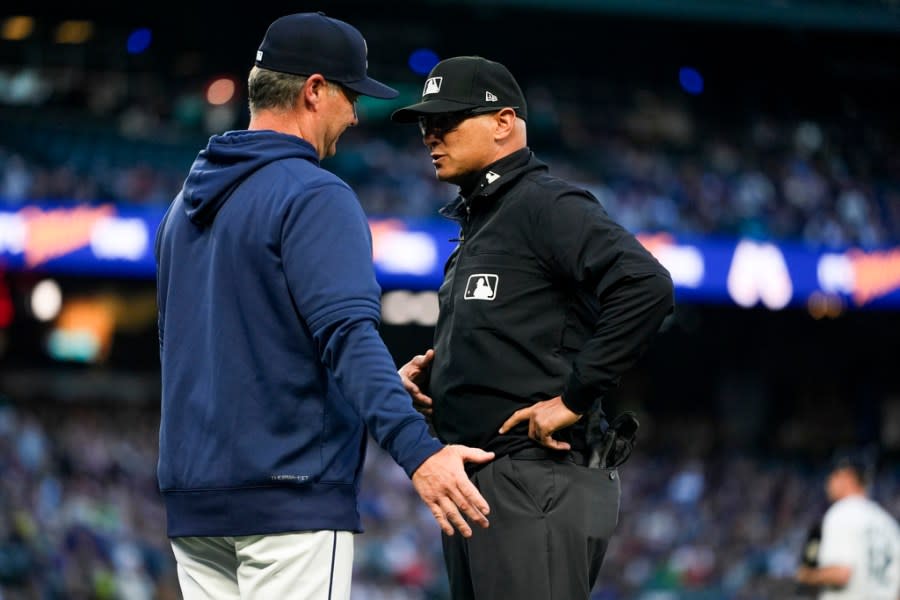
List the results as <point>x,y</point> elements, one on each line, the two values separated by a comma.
<point>410,252</point>
<point>114,238</point>
<point>12,233</point>
<point>759,273</point>
<point>836,273</point>
<point>684,263</point>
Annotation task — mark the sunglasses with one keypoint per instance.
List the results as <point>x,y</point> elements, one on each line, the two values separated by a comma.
<point>443,123</point>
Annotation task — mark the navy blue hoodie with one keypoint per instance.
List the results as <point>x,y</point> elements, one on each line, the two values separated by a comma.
<point>273,371</point>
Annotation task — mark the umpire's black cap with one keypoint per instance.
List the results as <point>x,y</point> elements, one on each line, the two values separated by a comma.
<point>308,43</point>
<point>466,83</point>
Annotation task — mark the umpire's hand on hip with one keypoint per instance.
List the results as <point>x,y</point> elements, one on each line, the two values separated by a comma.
<point>544,418</point>
<point>443,485</point>
<point>413,374</point>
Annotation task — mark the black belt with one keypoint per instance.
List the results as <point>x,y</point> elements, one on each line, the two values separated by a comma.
<point>541,453</point>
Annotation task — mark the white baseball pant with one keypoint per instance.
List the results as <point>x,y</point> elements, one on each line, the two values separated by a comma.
<point>316,565</point>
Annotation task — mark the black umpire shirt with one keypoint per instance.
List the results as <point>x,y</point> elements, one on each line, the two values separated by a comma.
<point>545,295</point>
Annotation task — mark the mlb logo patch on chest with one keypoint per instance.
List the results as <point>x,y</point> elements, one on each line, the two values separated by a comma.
<point>481,286</point>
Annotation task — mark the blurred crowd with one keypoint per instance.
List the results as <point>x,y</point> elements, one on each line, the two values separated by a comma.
<point>80,516</point>
<point>658,161</point>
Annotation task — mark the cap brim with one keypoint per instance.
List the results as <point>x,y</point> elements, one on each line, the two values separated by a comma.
<point>410,113</point>
<point>373,88</point>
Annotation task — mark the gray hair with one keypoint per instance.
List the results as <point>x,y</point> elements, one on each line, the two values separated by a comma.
<point>273,90</point>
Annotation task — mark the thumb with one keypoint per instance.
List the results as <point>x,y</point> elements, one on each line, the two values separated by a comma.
<point>475,455</point>
<point>424,359</point>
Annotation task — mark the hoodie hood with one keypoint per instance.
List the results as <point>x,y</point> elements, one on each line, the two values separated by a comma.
<point>228,160</point>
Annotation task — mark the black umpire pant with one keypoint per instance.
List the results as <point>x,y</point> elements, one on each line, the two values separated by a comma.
<point>551,520</point>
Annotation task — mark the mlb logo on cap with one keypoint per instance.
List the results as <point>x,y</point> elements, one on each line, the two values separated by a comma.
<point>432,85</point>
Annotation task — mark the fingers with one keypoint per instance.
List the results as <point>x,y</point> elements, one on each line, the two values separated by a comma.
<point>535,430</point>
<point>472,503</point>
<point>421,400</point>
<point>553,443</point>
<point>446,511</point>
<point>416,392</point>
<point>438,513</point>
<point>544,437</point>
<point>445,488</point>
<point>411,388</point>
<point>423,410</point>
<point>422,403</point>
<point>466,499</point>
<point>517,417</point>
<point>455,518</point>
<point>474,455</point>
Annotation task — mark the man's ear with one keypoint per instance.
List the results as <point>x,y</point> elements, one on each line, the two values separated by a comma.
<point>505,123</point>
<point>314,89</point>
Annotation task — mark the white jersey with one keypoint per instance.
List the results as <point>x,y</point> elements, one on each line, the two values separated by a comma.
<point>858,533</point>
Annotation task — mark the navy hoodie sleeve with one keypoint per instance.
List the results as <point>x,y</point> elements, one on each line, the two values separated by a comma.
<point>635,292</point>
<point>327,255</point>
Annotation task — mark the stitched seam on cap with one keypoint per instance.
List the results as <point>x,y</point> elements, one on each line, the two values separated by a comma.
<point>472,83</point>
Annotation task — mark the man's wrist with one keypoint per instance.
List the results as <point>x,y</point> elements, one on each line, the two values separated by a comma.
<point>578,397</point>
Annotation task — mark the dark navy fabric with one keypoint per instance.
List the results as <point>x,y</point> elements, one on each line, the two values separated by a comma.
<point>273,371</point>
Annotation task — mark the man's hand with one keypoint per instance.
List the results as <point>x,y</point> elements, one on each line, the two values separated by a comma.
<point>544,418</point>
<point>443,485</point>
<point>805,575</point>
<point>412,376</point>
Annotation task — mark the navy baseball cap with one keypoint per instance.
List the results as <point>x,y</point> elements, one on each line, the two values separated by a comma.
<point>464,83</point>
<point>308,43</point>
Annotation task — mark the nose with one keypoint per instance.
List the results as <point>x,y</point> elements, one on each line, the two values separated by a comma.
<point>430,139</point>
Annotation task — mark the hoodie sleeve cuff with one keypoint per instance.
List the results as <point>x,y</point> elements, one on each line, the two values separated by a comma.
<point>578,397</point>
<point>413,445</point>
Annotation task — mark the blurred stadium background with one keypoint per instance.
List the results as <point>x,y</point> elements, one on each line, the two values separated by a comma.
<point>754,145</point>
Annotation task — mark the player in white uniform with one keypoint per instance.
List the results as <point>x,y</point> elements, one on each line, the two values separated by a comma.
<point>859,554</point>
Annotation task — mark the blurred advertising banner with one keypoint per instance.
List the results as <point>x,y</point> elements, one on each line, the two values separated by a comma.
<point>117,241</point>
<point>82,239</point>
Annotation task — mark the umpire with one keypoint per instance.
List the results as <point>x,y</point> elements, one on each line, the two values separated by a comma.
<point>546,302</point>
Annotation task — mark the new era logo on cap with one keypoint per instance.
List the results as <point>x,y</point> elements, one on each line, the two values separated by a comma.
<point>489,97</point>
<point>432,85</point>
